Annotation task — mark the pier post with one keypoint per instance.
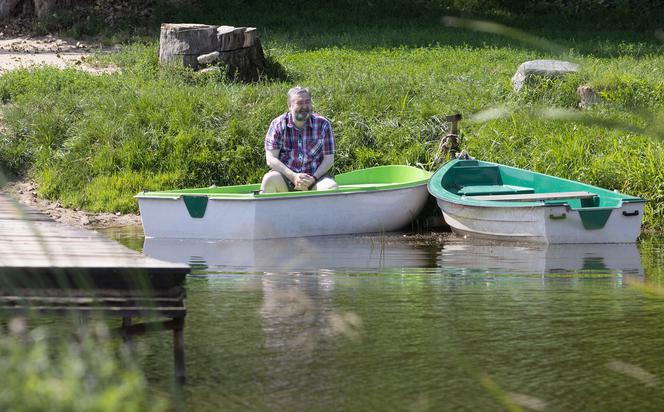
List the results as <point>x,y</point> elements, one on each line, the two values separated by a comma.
<point>178,350</point>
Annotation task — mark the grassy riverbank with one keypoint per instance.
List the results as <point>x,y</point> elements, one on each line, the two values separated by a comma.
<point>94,141</point>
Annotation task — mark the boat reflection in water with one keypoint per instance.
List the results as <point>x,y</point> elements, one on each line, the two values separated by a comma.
<point>344,253</point>
<point>541,259</point>
<point>296,280</point>
<point>394,253</point>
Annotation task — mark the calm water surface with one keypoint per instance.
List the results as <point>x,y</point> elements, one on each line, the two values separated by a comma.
<point>400,322</point>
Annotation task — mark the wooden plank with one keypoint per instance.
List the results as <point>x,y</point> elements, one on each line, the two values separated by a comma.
<point>89,301</point>
<point>50,254</point>
<point>176,292</point>
<point>168,312</point>
<point>49,268</point>
<point>532,197</point>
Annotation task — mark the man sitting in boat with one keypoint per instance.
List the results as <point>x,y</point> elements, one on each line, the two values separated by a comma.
<point>299,148</point>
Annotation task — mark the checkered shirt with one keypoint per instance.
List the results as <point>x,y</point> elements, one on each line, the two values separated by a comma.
<point>301,150</point>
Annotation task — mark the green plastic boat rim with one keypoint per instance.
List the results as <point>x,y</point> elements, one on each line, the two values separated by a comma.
<point>382,178</point>
<point>437,189</point>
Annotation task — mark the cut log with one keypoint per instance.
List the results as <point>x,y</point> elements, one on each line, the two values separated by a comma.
<point>183,43</point>
<point>249,37</point>
<point>230,38</point>
<point>208,58</point>
<point>245,64</point>
<point>238,49</point>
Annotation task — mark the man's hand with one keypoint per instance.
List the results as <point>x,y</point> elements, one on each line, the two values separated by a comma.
<point>303,181</point>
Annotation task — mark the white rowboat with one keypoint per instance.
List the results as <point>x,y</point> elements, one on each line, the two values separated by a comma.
<point>489,200</point>
<point>377,199</point>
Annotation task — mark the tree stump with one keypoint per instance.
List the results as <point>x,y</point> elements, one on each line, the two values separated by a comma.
<point>200,45</point>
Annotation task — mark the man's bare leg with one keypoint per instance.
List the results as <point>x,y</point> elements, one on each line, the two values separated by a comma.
<point>273,182</point>
<point>326,183</point>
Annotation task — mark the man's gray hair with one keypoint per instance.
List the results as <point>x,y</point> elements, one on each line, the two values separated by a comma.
<point>297,90</point>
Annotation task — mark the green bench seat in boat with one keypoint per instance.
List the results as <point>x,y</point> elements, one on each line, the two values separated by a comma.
<point>493,190</point>
<point>461,177</point>
<point>533,197</point>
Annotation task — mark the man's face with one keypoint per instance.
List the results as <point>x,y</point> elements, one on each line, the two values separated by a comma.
<point>300,107</point>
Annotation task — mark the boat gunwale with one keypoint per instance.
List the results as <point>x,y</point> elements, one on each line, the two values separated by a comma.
<point>446,196</point>
<point>252,195</point>
<point>279,196</point>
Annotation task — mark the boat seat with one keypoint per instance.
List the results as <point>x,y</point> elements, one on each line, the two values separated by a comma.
<point>460,177</point>
<point>533,197</point>
<point>364,185</point>
<point>493,190</point>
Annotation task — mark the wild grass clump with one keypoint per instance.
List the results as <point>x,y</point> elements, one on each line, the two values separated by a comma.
<point>41,372</point>
<point>95,141</point>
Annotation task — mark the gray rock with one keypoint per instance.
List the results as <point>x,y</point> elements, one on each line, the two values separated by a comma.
<point>213,69</point>
<point>544,68</point>
<point>208,58</point>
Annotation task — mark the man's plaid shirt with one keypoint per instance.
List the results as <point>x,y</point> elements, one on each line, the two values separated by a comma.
<point>301,150</point>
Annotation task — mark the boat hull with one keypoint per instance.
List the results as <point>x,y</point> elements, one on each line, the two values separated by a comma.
<point>536,224</point>
<point>268,218</point>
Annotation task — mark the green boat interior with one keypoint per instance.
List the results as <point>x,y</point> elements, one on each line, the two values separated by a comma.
<point>370,179</point>
<point>488,184</point>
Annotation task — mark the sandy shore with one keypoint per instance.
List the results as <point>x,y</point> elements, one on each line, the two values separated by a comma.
<point>25,193</point>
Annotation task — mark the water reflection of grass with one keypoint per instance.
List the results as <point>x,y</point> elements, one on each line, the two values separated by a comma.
<point>652,259</point>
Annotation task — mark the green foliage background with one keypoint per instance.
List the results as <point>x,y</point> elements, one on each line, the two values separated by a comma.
<point>385,83</point>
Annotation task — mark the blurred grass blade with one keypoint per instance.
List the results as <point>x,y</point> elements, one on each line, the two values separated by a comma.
<point>496,28</point>
<point>503,397</point>
<point>492,113</point>
<point>654,125</point>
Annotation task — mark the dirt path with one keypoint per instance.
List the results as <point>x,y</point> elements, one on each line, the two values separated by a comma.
<point>25,51</point>
<point>25,192</point>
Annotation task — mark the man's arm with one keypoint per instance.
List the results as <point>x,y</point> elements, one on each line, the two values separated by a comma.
<point>272,158</point>
<point>325,166</point>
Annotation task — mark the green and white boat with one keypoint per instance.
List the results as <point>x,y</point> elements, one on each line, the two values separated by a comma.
<point>376,199</point>
<point>490,200</point>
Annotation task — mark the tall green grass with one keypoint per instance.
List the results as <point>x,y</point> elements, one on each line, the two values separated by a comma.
<point>94,141</point>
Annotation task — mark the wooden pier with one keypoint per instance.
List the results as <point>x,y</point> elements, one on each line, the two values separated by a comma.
<point>48,267</point>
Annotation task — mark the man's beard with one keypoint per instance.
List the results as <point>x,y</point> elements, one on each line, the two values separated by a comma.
<point>302,116</point>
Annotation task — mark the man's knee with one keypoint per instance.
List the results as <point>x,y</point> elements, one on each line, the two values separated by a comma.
<point>273,182</point>
<point>325,183</point>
